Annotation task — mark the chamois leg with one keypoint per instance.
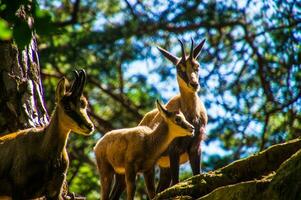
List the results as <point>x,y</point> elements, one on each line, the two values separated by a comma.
<point>149,178</point>
<point>119,187</point>
<point>174,167</point>
<point>164,179</point>
<point>17,194</point>
<point>106,176</point>
<point>195,161</point>
<point>54,189</point>
<point>130,178</point>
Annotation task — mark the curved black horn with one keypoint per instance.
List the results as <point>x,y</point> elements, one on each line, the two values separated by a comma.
<point>82,74</point>
<point>75,82</point>
<point>191,49</point>
<point>197,50</point>
<point>183,50</point>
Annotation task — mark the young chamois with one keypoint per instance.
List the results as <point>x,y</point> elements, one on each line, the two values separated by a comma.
<point>132,150</point>
<point>34,162</point>
<point>186,148</point>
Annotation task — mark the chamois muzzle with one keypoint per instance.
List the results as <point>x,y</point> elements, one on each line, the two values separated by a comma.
<point>191,129</point>
<point>194,85</point>
<point>89,127</point>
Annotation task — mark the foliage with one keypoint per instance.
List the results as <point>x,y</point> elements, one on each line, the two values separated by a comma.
<point>250,67</point>
<point>14,23</point>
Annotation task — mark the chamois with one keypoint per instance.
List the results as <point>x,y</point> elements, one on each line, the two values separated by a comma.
<point>132,150</point>
<point>34,162</point>
<point>186,148</point>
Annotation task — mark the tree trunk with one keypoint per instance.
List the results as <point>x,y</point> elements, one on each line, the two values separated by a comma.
<point>248,179</point>
<point>21,91</point>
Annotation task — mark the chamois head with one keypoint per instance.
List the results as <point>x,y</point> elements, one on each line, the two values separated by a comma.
<point>72,105</point>
<point>187,67</point>
<point>176,121</point>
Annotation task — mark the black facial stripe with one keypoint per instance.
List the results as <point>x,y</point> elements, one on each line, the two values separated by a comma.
<point>76,117</point>
<point>182,74</point>
<point>182,124</point>
<point>71,113</point>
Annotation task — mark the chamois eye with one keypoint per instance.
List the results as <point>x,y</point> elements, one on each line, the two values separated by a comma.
<point>82,103</point>
<point>67,107</point>
<point>178,119</point>
<point>182,67</point>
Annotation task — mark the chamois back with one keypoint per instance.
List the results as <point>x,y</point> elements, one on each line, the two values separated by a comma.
<point>132,150</point>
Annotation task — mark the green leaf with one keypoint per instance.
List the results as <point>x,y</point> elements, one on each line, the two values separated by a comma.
<point>5,31</point>
<point>22,34</point>
<point>43,22</point>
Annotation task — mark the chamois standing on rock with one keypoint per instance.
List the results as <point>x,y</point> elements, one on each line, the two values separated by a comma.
<point>34,162</point>
<point>188,102</point>
<point>185,148</point>
<point>129,151</point>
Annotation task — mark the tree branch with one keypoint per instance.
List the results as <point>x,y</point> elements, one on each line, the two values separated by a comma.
<point>105,125</point>
<point>264,130</point>
<point>124,102</point>
<point>74,16</point>
<point>131,9</point>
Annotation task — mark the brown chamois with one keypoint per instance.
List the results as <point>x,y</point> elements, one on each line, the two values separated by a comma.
<point>188,102</point>
<point>185,148</point>
<point>34,162</point>
<point>132,150</point>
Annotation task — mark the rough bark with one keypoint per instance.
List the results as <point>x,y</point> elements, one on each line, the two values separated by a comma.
<point>252,177</point>
<point>21,91</point>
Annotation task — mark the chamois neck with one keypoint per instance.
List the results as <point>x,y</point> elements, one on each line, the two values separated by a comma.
<point>188,99</point>
<point>56,136</point>
<point>159,139</point>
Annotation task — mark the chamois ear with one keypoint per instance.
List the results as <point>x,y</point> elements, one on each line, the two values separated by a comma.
<point>163,111</point>
<point>61,89</point>
<point>169,56</point>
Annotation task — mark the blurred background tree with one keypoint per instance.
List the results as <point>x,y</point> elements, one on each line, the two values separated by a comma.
<point>250,69</point>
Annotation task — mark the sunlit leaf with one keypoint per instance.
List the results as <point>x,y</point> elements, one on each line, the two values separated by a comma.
<point>5,31</point>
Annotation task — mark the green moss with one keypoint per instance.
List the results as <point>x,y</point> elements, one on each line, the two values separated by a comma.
<point>250,178</point>
<point>286,185</point>
<point>250,190</point>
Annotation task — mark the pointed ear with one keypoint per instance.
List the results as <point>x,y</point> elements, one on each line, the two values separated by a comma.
<point>169,56</point>
<point>198,48</point>
<point>61,89</point>
<point>162,110</point>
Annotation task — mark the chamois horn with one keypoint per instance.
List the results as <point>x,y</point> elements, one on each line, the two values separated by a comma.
<point>183,51</point>
<point>198,48</point>
<point>75,83</point>
<point>82,81</point>
<point>191,49</point>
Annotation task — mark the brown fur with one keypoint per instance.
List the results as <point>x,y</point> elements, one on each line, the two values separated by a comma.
<point>133,150</point>
<point>34,162</point>
<point>182,149</point>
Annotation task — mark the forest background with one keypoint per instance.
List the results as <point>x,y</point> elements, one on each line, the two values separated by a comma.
<point>250,71</point>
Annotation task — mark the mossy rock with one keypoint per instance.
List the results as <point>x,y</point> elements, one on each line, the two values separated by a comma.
<point>273,174</point>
